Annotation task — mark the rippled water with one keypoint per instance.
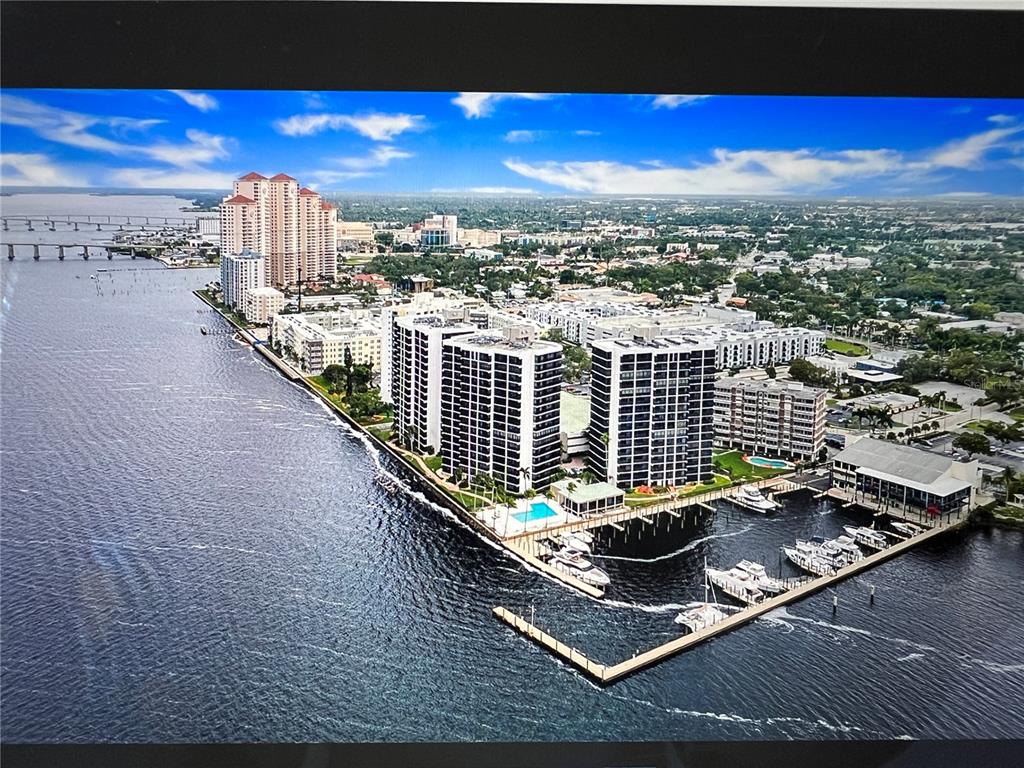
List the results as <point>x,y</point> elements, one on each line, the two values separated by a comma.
<point>192,548</point>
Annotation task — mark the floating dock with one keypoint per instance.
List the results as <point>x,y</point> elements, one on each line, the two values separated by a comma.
<point>607,674</point>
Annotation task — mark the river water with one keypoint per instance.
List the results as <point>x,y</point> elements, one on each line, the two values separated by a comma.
<point>192,548</point>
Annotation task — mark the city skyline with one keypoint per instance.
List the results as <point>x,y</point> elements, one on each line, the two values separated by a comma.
<point>515,143</point>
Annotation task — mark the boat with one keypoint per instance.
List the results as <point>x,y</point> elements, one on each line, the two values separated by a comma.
<point>203,330</point>
<point>573,542</point>
<point>698,616</point>
<point>585,536</point>
<point>849,546</point>
<point>813,558</point>
<point>737,584</point>
<point>572,563</point>
<point>867,537</point>
<point>751,498</point>
<point>764,582</point>
<point>908,529</point>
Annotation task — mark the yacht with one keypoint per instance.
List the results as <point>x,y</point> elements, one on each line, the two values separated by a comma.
<point>764,582</point>
<point>810,557</point>
<point>867,537</point>
<point>698,616</point>
<point>573,542</point>
<point>847,545</point>
<point>737,584</point>
<point>908,529</point>
<point>572,563</point>
<point>585,536</point>
<point>751,498</point>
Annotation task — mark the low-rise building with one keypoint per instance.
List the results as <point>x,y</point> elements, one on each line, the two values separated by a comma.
<point>261,304</point>
<point>905,479</point>
<point>770,418</point>
<point>585,500</point>
<point>319,339</point>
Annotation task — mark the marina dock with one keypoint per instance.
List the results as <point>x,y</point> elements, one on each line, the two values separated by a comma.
<point>607,674</point>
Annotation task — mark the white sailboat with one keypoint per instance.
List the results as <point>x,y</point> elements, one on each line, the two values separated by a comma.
<point>701,615</point>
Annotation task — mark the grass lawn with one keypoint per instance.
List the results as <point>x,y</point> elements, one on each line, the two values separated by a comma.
<point>846,347</point>
<point>434,462</point>
<point>1008,514</point>
<point>951,406</point>
<point>383,433</point>
<point>731,463</point>
<point>1017,414</point>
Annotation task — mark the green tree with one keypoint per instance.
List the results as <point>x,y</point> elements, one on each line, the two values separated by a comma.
<point>972,443</point>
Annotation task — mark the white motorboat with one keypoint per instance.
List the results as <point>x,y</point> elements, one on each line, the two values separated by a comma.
<point>867,537</point>
<point>764,582</point>
<point>698,616</point>
<point>908,529</point>
<point>585,536</point>
<point>572,563</point>
<point>751,498</point>
<point>573,542</point>
<point>737,584</point>
<point>847,545</point>
<point>811,558</point>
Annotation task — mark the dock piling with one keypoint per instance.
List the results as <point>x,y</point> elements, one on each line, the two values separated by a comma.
<point>872,598</point>
<point>835,604</point>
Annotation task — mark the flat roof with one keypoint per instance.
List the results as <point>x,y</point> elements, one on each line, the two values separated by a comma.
<point>944,486</point>
<point>898,462</point>
<point>574,412</point>
<point>584,493</point>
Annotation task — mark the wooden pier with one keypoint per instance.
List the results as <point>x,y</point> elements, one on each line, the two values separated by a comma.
<point>606,674</point>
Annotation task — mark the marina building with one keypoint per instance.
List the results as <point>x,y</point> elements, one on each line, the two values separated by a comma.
<point>416,351</point>
<point>584,500</point>
<point>239,272</point>
<point>261,304</point>
<point>903,478</point>
<point>500,407</point>
<point>319,339</point>
<point>294,227</point>
<point>770,418</point>
<point>652,405</point>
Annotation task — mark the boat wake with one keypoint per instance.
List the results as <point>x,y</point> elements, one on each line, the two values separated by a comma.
<point>685,548</point>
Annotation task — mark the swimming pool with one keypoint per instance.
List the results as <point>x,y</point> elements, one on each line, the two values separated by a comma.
<point>539,510</point>
<point>760,461</point>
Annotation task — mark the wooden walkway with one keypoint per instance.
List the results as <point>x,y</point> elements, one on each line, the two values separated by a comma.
<point>606,674</point>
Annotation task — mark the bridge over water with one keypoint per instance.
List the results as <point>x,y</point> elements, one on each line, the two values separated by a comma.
<point>76,222</point>
<point>86,249</point>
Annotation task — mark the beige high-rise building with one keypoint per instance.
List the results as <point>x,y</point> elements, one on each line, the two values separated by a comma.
<point>293,227</point>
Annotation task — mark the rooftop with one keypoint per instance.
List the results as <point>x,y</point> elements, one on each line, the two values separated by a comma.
<point>241,199</point>
<point>902,462</point>
<point>253,177</point>
<point>584,493</point>
<point>574,413</point>
<point>282,177</point>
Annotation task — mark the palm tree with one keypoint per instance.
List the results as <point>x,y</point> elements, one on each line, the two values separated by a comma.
<point>1009,477</point>
<point>524,472</point>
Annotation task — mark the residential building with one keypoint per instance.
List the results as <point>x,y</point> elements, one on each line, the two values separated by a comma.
<point>318,339</point>
<point>770,418</point>
<point>651,411</point>
<point>245,270</point>
<point>905,479</point>
<point>575,420</point>
<point>415,372</point>
<point>261,304</point>
<point>500,407</point>
<point>294,227</point>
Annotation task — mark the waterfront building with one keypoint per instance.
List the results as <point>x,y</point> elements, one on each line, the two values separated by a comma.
<point>586,499</point>
<point>770,418</point>
<point>294,227</point>
<point>575,421</point>
<point>500,407</point>
<point>415,375</point>
<point>905,479</point>
<point>652,401</point>
<point>261,304</point>
<point>318,339</point>
<point>439,231</point>
<point>245,270</point>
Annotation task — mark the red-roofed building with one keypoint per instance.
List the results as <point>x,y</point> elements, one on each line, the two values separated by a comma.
<point>292,226</point>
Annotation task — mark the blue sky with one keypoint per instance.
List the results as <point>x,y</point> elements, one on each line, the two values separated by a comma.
<point>488,142</point>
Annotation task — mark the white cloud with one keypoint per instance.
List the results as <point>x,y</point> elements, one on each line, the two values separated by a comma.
<point>35,170</point>
<point>377,157</point>
<point>313,100</point>
<point>502,191</point>
<point>204,102</point>
<point>475,105</point>
<point>970,152</point>
<point>1002,119</point>
<point>326,177</point>
<point>671,101</point>
<point>76,129</point>
<point>170,178</point>
<point>523,136</point>
<point>585,132</point>
<point>376,125</point>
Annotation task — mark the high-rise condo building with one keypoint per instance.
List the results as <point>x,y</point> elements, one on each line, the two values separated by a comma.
<point>294,227</point>
<point>771,418</point>
<point>245,270</point>
<point>652,403</point>
<point>500,407</point>
<point>416,376</point>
